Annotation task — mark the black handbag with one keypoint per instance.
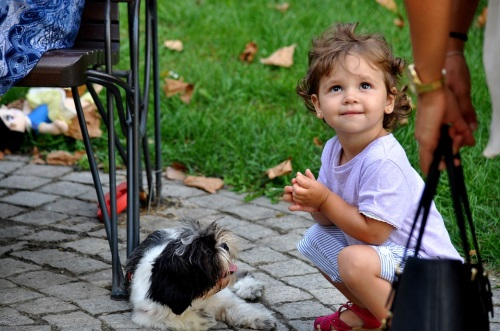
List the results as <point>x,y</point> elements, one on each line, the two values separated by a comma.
<point>442,294</point>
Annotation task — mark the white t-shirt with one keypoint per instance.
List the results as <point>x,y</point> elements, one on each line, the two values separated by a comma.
<point>381,182</point>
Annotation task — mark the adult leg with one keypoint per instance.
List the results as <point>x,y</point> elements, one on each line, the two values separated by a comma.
<point>491,61</point>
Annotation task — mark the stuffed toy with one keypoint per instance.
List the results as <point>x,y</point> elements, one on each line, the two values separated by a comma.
<point>12,128</point>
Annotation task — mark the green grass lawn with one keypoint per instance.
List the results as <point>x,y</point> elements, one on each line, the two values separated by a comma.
<point>245,118</point>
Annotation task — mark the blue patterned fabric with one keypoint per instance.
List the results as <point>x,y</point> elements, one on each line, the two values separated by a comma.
<point>29,28</point>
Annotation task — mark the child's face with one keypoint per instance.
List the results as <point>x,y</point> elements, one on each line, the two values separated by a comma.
<point>353,98</point>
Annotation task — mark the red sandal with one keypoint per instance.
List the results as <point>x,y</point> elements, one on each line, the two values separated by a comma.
<point>333,322</point>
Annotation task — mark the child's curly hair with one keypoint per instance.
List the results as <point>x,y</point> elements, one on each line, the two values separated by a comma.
<point>331,49</point>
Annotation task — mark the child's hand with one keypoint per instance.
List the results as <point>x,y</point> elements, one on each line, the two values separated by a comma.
<point>288,197</point>
<point>307,193</point>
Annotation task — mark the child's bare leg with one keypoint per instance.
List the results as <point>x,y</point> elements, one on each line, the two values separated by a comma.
<point>359,268</point>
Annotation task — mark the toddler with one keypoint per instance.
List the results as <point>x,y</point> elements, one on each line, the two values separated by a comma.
<point>367,193</point>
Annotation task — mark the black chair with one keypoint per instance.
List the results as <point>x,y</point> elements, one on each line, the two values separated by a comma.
<point>91,61</point>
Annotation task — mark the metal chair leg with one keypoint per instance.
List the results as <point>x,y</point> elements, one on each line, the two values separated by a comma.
<point>110,223</point>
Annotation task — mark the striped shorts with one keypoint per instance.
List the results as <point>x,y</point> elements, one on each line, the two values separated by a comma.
<point>322,245</point>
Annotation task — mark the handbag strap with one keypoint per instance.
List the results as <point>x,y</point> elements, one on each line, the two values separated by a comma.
<point>458,192</point>
<point>461,203</point>
<point>427,197</point>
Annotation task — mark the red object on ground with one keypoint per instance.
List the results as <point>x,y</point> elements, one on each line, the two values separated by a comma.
<point>121,201</point>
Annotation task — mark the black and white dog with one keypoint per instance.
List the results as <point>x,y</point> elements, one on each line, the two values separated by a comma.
<point>179,278</point>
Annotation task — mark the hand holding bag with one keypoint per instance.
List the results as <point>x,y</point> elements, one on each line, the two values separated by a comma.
<point>442,294</point>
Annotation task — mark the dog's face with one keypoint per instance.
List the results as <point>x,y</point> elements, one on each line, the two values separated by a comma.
<point>197,263</point>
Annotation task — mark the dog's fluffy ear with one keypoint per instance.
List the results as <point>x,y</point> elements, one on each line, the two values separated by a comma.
<point>177,280</point>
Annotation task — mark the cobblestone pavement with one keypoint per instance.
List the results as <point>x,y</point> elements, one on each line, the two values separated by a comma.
<point>55,271</point>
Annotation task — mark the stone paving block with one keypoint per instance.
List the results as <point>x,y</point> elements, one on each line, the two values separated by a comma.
<point>122,252</point>
<point>288,268</point>
<point>73,207</point>
<point>75,291</point>
<point>279,294</point>
<point>10,317</point>
<point>177,190</point>
<point>14,231</point>
<point>3,192</point>
<point>41,170</point>
<point>195,213</point>
<point>7,211</point>
<point>496,311</point>
<point>85,177</point>
<point>279,206</point>
<point>45,305</point>
<point>9,267</point>
<point>101,278</point>
<point>308,282</point>
<point>121,322</point>
<point>16,246</point>
<point>329,297</point>
<point>23,182</point>
<point>39,217</point>
<point>17,294</point>
<point>41,279</point>
<point>68,189</point>
<point>298,255</point>
<point>299,325</point>
<point>6,284</point>
<point>45,256</point>
<point>213,201</point>
<point>77,321</point>
<point>282,243</point>
<point>10,166</point>
<point>80,265</point>
<point>250,212</point>
<point>28,199</point>
<point>90,246</point>
<point>259,255</point>
<point>50,236</point>
<point>246,229</point>
<point>89,195</point>
<point>26,328</point>
<point>303,309</point>
<point>102,304</point>
<point>80,224</point>
<point>287,222</point>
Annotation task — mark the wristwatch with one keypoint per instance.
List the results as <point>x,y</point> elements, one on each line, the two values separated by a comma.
<point>418,87</point>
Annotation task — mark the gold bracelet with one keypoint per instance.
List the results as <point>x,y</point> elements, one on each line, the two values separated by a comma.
<point>421,88</point>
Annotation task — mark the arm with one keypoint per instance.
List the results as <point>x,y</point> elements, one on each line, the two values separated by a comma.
<point>430,23</point>
<point>457,70</point>
<point>309,194</point>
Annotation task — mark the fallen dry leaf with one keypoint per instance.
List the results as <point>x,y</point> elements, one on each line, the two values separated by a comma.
<point>284,168</point>
<point>174,174</point>
<point>399,22</point>
<point>209,184</point>
<point>317,142</point>
<point>175,45</point>
<point>481,18</point>
<point>282,7</point>
<point>63,157</point>
<point>389,4</point>
<point>282,57</point>
<point>1,155</point>
<point>92,119</point>
<point>174,86</point>
<point>248,54</point>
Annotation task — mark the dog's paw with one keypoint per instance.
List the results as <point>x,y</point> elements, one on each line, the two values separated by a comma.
<point>264,324</point>
<point>248,288</point>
